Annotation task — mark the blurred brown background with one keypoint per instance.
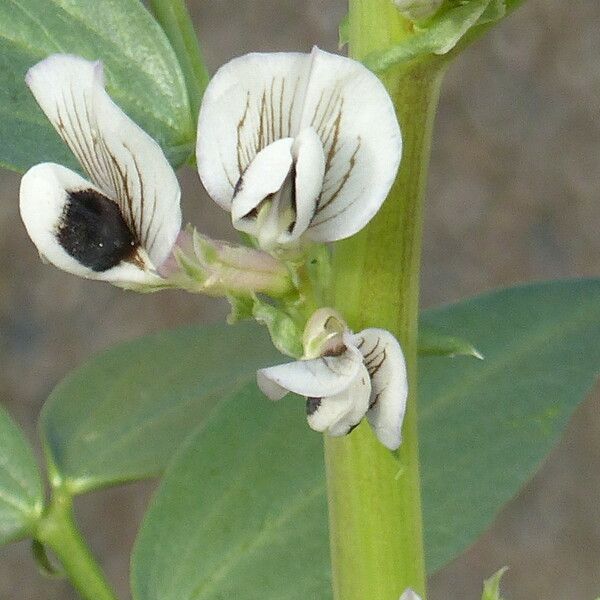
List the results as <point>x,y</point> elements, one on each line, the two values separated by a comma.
<point>513,196</point>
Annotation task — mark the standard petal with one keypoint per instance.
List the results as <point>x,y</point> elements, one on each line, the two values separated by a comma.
<point>385,362</point>
<point>314,378</point>
<point>250,102</point>
<point>119,157</point>
<point>339,414</point>
<point>264,177</point>
<point>78,229</point>
<point>354,116</point>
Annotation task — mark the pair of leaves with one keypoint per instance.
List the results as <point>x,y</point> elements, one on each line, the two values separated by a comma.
<point>241,511</point>
<point>142,71</point>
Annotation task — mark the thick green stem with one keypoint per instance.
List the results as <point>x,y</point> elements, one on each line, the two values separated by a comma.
<point>374,494</point>
<point>175,20</point>
<point>58,531</point>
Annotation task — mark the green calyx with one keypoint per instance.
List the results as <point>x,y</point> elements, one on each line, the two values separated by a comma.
<point>437,30</point>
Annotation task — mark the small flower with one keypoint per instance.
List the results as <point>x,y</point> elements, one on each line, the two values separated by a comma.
<point>297,146</point>
<point>345,377</point>
<point>409,595</point>
<point>121,224</point>
<point>418,9</point>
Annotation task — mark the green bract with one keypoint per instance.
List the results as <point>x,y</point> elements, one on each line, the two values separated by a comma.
<point>491,586</point>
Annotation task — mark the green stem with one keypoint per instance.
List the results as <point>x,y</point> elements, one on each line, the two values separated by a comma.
<point>374,494</point>
<point>175,20</point>
<point>58,531</point>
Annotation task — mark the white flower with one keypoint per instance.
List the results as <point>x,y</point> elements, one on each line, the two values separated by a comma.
<point>409,595</point>
<point>354,375</point>
<point>121,224</point>
<point>297,145</point>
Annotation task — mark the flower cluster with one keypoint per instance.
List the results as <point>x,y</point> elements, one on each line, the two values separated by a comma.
<point>344,378</point>
<point>301,149</point>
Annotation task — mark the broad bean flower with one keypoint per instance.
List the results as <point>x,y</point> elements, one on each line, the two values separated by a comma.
<point>344,378</point>
<point>120,224</point>
<point>297,146</point>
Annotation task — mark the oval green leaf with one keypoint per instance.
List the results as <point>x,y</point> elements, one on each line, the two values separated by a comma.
<point>241,513</point>
<point>487,425</point>
<point>143,75</point>
<point>121,416</point>
<point>228,520</point>
<point>21,493</point>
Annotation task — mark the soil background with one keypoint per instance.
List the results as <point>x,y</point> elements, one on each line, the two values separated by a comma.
<point>513,196</point>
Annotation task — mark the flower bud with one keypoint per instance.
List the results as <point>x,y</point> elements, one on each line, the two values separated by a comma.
<point>213,267</point>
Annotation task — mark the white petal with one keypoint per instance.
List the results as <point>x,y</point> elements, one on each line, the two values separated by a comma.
<point>309,160</point>
<point>323,332</point>
<point>354,116</point>
<point>385,362</point>
<point>409,595</point>
<point>339,413</point>
<point>46,194</point>
<point>124,162</point>
<point>264,176</point>
<point>314,378</point>
<point>250,102</point>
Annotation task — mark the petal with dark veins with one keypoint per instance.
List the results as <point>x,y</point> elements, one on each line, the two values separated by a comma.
<point>385,363</point>
<point>123,161</point>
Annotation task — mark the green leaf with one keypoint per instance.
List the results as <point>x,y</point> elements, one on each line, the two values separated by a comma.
<point>21,493</point>
<point>121,415</point>
<point>143,75</point>
<point>241,512</point>
<point>432,343</point>
<point>491,586</point>
<point>437,35</point>
<point>486,426</point>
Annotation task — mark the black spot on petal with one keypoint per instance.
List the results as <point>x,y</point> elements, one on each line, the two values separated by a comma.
<point>312,405</point>
<point>238,186</point>
<point>92,230</point>
<point>353,428</point>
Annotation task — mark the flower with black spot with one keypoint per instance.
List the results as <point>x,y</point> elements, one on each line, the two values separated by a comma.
<point>345,377</point>
<point>120,224</point>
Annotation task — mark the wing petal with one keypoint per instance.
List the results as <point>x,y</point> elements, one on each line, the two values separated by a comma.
<point>119,157</point>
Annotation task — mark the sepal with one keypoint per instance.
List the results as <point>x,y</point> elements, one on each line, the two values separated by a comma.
<point>450,27</point>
